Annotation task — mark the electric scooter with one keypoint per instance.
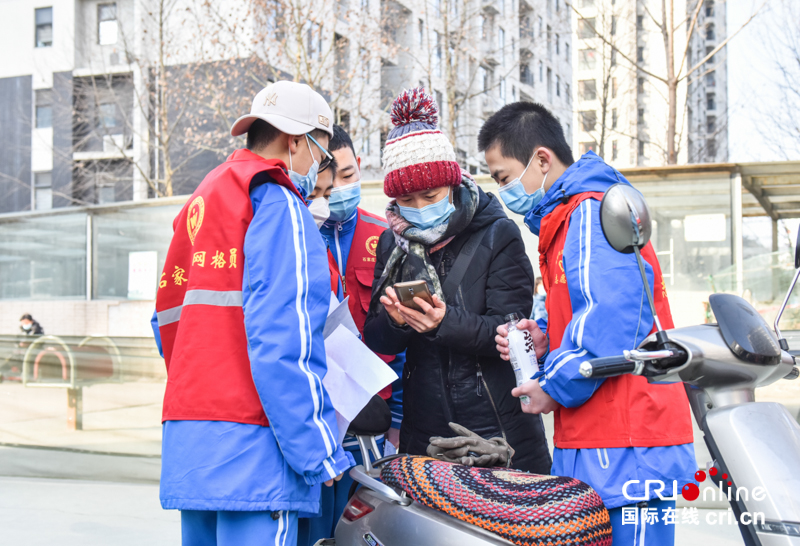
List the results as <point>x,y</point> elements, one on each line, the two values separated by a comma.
<point>755,445</point>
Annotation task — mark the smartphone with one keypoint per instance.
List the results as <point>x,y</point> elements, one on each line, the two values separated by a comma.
<point>406,291</point>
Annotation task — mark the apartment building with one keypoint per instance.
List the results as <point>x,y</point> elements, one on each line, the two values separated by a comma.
<point>622,109</point>
<point>707,106</point>
<point>116,101</point>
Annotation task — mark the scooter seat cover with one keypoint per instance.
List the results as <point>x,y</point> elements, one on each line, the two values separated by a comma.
<point>523,508</point>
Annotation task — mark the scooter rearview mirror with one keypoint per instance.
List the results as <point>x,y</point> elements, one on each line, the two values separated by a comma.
<point>625,219</point>
<point>797,250</point>
<point>783,343</point>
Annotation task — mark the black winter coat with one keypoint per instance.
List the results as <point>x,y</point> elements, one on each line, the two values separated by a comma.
<point>454,373</point>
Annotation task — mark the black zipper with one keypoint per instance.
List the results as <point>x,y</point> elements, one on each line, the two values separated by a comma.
<point>482,381</point>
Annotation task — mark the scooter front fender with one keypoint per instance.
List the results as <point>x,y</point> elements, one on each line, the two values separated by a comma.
<point>758,446</point>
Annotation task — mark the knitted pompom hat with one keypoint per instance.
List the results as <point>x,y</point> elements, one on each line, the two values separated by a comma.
<point>417,155</point>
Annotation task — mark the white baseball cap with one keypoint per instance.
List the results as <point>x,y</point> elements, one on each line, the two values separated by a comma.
<point>291,107</point>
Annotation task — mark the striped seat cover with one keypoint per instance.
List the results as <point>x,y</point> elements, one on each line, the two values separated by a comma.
<point>526,509</point>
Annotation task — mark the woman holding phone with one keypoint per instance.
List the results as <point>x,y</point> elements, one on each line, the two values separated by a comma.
<point>446,231</point>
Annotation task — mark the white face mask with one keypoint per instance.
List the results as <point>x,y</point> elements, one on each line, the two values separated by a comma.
<point>319,210</point>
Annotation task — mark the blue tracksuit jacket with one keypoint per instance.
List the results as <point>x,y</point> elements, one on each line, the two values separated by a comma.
<point>604,469</point>
<point>217,465</point>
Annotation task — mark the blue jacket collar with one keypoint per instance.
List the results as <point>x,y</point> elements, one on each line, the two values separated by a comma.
<point>346,226</point>
<point>589,174</point>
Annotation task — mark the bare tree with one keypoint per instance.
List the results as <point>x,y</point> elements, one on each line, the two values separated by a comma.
<point>782,131</point>
<point>670,23</point>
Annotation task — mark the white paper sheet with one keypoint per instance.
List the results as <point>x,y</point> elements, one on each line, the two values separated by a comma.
<point>355,375</point>
<point>339,313</point>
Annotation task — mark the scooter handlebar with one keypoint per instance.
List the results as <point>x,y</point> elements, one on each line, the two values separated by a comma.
<point>608,366</point>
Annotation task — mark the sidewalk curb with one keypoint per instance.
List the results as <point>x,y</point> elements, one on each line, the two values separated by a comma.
<point>45,462</point>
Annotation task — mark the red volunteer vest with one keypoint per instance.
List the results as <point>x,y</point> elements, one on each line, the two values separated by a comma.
<point>360,270</point>
<point>199,301</point>
<point>626,411</point>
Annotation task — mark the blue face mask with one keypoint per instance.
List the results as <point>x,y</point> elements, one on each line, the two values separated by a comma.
<point>344,200</point>
<point>305,183</point>
<point>516,198</point>
<point>429,216</point>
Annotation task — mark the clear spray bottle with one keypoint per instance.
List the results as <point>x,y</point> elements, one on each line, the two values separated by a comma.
<point>522,353</point>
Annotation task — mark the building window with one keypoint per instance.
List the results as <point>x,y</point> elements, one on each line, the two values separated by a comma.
<point>586,28</point>
<point>525,75</point>
<point>711,122</point>
<point>107,116</point>
<point>614,150</point>
<point>43,191</point>
<point>640,116</point>
<point>587,89</point>
<point>549,42</point>
<point>614,118</point>
<point>613,88</point>
<point>558,52</point>
<point>588,120</point>
<point>641,147</point>
<point>549,85</point>
<point>501,45</point>
<point>557,5</point>
<point>640,22</point>
<point>587,3</point>
<point>711,103</point>
<point>711,79</point>
<point>502,91</point>
<point>709,49</point>
<point>44,108</point>
<point>438,53</point>
<point>107,28</point>
<point>587,59</point>
<point>566,91</point>
<point>364,65</point>
<point>421,32</point>
<point>314,40</point>
<point>44,27</point>
<point>613,57</point>
<point>709,8</point>
<point>640,54</point>
<point>711,148</point>
<point>558,86</point>
<point>566,50</point>
<point>540,26</point>
<point>710,35</point>
<point>541,72</point>
<point>640,85</point>
<point>588,147</point>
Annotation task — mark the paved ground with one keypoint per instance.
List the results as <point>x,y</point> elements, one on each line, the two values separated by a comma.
<point>37,512</point>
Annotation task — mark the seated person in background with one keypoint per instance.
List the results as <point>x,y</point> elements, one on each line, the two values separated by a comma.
<point>453,372</point>
<point>29,326</point>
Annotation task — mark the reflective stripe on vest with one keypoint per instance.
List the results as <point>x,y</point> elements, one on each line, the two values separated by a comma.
<point>218,298</point>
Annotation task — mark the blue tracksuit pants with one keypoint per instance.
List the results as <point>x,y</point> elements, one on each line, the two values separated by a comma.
<point>209,528</point>
<point>649,525</point>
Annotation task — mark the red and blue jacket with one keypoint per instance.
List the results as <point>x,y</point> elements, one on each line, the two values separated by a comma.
<point>248,425</point>
<point>613,430</point>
